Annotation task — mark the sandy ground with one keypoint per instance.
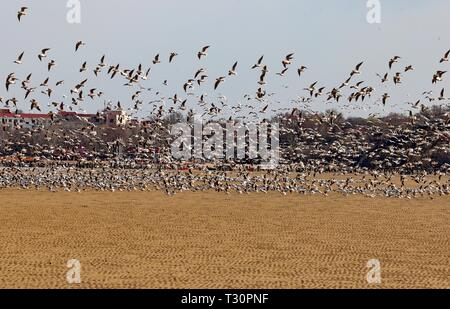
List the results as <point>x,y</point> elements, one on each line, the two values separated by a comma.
<point>214,240</point>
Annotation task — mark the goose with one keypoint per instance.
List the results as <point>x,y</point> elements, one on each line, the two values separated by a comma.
<point>10,80</point>
<point>438,76</point>
<point>203,52</point>
<point>83,67</point>
<point>288,60</point>
<point>301,70</point>
<point>102,63</point>
<point>383,78</point>
<point>233,69</point>
<point>19,59</point>
<point>393,60</point>
<point>35,105</point>
<point>23,12</point>
<point>78,45</point>
<point>282,72</point>
<point>311,88</point>
<point>384,98</point>
<point>218,81</point>
<point>397,78</point>
<point>356,70</point>
<point>441,96</point>
<point>258,63</point>
<point>51,64</point>
<point>261,79</point>
<point>43,54</point>
<point>172,56</point>
<point>445,58</point>
<point>156,59</point>
<point>409,68</point>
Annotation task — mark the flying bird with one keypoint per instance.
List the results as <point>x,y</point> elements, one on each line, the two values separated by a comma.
<point>35,105</point>
<point>172,57</point>
<point>356,70</point>
<point>218,81</point>
<point>282,72</point>
<point>438,76</point>
<point>83,67</point>
<point>51,64</point>
<point>409,68</point>
<point>441,96</point>
<point>288,60</point>
<point>384,98</point>
<point>258,63</point>
<point>23,12</point>
<point>233,69</point>
<point>19,59</point>
<point>102,63</point>
<point>394,60</point>
<point>383,78</point>
<point>311,88</point>
<point>445,58</point>
<point>301,70</point>
<point>79,44</point>
<point>203,52</point>
<point>43,54</point>
<point>156,59</point>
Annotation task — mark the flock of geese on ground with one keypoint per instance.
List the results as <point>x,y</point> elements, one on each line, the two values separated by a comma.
<point>284,180</point>
<point>350,94</point>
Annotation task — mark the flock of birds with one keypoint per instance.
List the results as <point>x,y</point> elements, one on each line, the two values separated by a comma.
<point>284,181</point>
<point>259,102</point>
<point>349,94</point>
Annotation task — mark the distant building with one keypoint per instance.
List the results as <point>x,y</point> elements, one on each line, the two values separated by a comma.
<point>74,117</point>
<point>115,117</point>
<point>12,120</point>
<point>30,121</point>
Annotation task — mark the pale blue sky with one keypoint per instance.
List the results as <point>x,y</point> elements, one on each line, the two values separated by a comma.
<point>328,36</point>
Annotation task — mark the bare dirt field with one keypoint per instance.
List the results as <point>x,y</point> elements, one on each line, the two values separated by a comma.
<point>214,240</point>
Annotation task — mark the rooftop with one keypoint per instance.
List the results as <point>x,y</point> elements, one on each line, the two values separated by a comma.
<point>8,114</point>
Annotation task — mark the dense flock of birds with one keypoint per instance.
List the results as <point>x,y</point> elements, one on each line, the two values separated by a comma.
<point>348,94</point>
<point>283,180</point>
<point>350,90</point>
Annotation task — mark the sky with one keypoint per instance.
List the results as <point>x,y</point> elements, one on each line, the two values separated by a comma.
<point>329,37</point>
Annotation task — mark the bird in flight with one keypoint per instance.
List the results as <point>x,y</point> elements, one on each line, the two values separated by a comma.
<point>383,78</point>
<point>301,70</point>
<point>445,58</point>
<point>43,53</point>
<point>438,76</point>
<point>19,59</point>
<point>409,68</point>
<point>258,63</point>
<point>218,81</point>
<point>203,52</point>
<point>311,88</point>
<point>79,44</point>
<point>156,59</point>
<point>51,64</point>
<point>394,60</point>
<point>23,12</point>
<point>172,57</point>
<point>282,72</point>
<point>384,98</point>
<point>356,70</point>
<point>35,105</point>
<point>233,69</point>
<point>442,96</point>
<point>288,60</point>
